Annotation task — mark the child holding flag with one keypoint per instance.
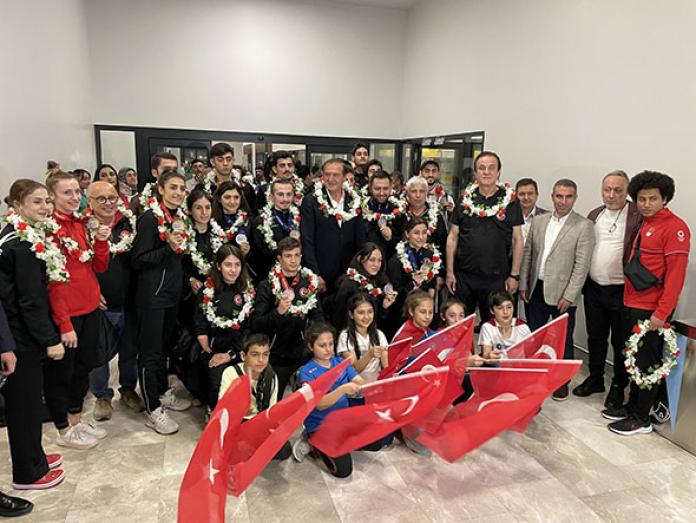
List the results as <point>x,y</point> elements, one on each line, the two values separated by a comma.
<point>503,330</point>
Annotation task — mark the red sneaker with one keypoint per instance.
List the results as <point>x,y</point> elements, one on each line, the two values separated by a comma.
<point>54,461</point>
<point>50,480</point>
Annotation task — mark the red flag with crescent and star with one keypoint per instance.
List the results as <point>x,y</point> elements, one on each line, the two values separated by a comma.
<point>203,490</point>
<point>261,437</point>
<point>547,342</point>
<point>389,405</point>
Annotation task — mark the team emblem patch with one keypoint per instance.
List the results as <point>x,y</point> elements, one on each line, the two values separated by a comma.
<point>681,236</point>
<point>238,300</point>
<point>303,292</point>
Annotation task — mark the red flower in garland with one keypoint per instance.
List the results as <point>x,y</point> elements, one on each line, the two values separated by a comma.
<point>396,212</point>
<point>438,190</point>
<point>363,282</point>
<point>39,247</point>
<point>163,237</point>
<point>408,270</point>
<point>22,226</point>
<point>312,288</point>
<point>235,326</point>
<point>209,283</point>
<point>482,214</point>
<point>206,299</point>
<point>339,217</point>
<point>375,292</point>
<point>378,215</point>
<point>667,325</point>
<point>636,329</point>
<point>430,275</point>
<point>436,258</point>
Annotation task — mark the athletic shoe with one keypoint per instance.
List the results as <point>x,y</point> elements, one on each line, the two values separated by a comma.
<point>131,400</point>
<point>76,439</point>
<point>171,402</point>
<point>615,413</point>
<point>50,480</point>
<point>91,429</point>
<point>561,393</point>
<point>301,448</point>
<point>660,414</point>
<point>103,410</point>
<point>54,461</point>
<point>160,421</point>
<point>588,387</point>
<point>631,426</point>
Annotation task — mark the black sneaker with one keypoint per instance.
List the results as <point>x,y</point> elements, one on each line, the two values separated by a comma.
<point>660,414</point>
<point>631,426</point>
<point>616,397</point>
<point>615,413</point>
<point>588,387</point>
<point>561,393</point>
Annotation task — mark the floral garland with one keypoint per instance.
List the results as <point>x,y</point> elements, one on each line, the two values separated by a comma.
<point>363,282</point>
<point>71,245</point>
<point>230,233</point>
<point>42,247</point>
<point>146,196</point>
<point>297,188</point>
<point>264,227</point>
<point>211,178</point>
<point>482,211</point>
<point>298,308</point>
<point>370,216</point>
<point>217,240</point>
<point>125,242</point>
<point>406,263</point>
<point>223,322</point>
<point>157,211</point>
<point>655,373</point>
<point>433,215</point>
<point>330,210</point>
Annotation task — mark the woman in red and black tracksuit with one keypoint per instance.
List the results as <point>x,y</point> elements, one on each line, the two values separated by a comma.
<point>23,290</point>
<point>74,305</point>
<point>157,258</point>
<point>662,247</point>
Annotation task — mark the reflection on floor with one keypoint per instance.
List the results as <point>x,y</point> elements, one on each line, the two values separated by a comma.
<point>566,467</point>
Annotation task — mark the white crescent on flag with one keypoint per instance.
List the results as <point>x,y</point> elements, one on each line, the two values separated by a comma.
<point>500,398</point>
<point>212,472</point>
<point>414,401</point>
<point>224,424</point>
<point>548,350</point>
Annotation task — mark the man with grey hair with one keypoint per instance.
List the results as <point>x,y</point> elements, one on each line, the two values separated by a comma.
<point>417,206</point>
<point>556,261</point>
<point>616,223</point>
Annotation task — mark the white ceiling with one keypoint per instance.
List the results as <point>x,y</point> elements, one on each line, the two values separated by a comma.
<point>397,4</point>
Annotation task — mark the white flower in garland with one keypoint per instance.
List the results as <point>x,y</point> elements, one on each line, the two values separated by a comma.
<point>210,179</point>
<point>432,219</point>
<point>164,225</point>
<point>42,247</point>
<point>217,240</point>
<point>146,196</point>
<point>126,237</point>
<point>483,211</point>
<point>72,247</point>
<point>436,260</point>
<point>399,206</point>
<point>363,282</point>
<point>223,322</point>
<point>297,187</point>
<point>298,308</point>
<point>267,218</point>
<point>329,210</point>
<point>655,373</point>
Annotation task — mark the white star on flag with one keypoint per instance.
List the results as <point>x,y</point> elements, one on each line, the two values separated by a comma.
<point>384,415</point>
<point>212,472</point>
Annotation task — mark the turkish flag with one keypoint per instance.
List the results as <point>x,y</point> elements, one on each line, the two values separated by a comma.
<point>426,358</point>
<point>547,342</point>
<point>390,404</point>
<point>261,437</point>
<point>203,490</point>
<point>397,354</point>
<point>502,397</point>
<point>444,341</point>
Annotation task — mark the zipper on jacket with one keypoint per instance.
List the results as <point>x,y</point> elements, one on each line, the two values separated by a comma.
<point>159,287</point>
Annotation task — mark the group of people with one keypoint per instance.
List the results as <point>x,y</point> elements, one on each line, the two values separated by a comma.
<point>282,280</point>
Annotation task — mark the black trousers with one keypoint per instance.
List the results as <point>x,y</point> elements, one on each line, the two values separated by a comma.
<point>156,335</point>
<point>640,401</point>
<point>541,312</point>
<point>603,317</point>
<point>211,378</point>
<point>23,399</point>
<point>474,289</point>
<point>342,466</point>
<point>66,381</point>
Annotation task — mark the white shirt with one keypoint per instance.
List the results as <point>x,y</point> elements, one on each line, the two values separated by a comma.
<point>527,224</point>
<point>554,227</point>
<point>606,267</point>
<point>492,336</point>
<point>337,204</point>
<point>371,372</point>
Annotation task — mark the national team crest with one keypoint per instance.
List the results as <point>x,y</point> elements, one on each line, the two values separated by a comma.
<point>238,300</point>
<point>303,292</point>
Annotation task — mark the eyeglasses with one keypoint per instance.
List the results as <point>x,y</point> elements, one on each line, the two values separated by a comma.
<point>103,199</point>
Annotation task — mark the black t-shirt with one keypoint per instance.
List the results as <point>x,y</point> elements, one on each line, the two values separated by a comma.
<point>485,244</point>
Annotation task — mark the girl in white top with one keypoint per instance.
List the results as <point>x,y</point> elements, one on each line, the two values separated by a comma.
<point>361,341</point>
<point>503,330</point>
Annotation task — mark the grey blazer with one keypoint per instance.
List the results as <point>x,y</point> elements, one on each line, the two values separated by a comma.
<point>568,262</point>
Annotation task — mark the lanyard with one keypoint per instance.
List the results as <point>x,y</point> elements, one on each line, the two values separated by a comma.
<point>375,206</point>
<point>286,226</point>
<point>415,257</point>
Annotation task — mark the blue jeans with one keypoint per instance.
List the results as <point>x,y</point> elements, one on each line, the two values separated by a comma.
<point>541,312</point>
<point>124,326</point>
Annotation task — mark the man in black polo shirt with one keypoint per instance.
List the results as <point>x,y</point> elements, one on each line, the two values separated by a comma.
<point>484,244</point>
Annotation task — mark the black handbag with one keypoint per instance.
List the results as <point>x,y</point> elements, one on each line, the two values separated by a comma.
<point>638,274</point>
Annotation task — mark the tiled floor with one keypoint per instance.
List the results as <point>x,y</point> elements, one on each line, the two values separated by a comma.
<point>566,467</point>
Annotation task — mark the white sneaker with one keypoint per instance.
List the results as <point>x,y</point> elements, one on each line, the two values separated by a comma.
<point>91,429</point>
<point>161,422</point>
<point>171,402</point>
<point>76,439</point>
<point>301,448</point>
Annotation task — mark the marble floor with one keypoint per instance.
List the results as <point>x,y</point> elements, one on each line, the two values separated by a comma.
<point>566,467</point>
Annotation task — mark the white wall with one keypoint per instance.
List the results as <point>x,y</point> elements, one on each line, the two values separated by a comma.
<point>563,89</point>
<point>44,106</point>
<point>288,66</point>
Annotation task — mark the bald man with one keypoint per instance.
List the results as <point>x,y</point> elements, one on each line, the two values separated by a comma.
<point>115,303</point>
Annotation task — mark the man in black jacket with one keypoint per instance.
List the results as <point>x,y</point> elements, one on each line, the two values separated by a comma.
<point>380,211</point>
<point>332,229</point>
<point>222,161</point>
<point>115,304</point>
<point>285,303</point>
